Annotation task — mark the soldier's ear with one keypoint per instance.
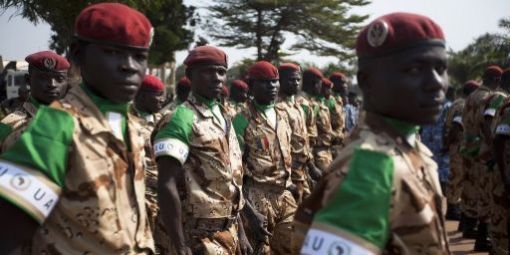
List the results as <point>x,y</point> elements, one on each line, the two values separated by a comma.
<point>76,50</point>
<point>187,72</point>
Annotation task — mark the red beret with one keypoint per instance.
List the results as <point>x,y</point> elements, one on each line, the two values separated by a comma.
<point>337,76</point>
<point>184,82</point>
<point>263,70</point>
<point>239,84</point>
<point>314,71</point>
<point>206,54</point>
<point>327,82</point>
<point>48,61</point>
<point>471,84</point>
<point>397,32</point>
<point>152,82</point>
<point>114,23</point>
<point>289,66</point>
<point>493,71</point>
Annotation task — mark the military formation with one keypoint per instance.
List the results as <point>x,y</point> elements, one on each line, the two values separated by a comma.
<point>282,161</point>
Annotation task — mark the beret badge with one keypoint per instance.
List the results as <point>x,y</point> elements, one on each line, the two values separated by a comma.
<point>49,63</point>
<point>377,33</point>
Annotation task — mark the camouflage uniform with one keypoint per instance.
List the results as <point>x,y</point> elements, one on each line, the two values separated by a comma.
<point>499,108</point>
<point>336,109</point>
<point>267,161</point>
<point>200,136</point>
<point>13,125</point>
<point>455,184</point>
<point>93,181</point>
<point>300,148</point>
<point>161,238</point>
<point>475,198</point>
<point>382,196</point>
<point>310,110</point>
<point>322,146</point>
<point>232,108</point>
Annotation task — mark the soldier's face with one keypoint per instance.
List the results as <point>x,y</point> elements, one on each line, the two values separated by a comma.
<point>326,91</point>
<point>408,86</point>
<point>47,86</point>
<point>150,100</point>
<point>340,86</point>
<point>238,95</point>
<point>289,82</point>
<point>207,80</point>
<point>264,91</point>
<point>115,73</point>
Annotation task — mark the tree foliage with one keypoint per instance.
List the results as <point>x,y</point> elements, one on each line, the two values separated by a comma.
<point>487,49</point>
<point>167,16</point>
<point>325,27</point>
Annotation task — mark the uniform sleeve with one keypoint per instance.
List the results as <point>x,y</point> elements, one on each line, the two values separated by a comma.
<point>503,124</point>
<point>240,123</point>
<point>174,138</point>
<point>32,171</point>
<point>357,216</point>
<point>493,105</point>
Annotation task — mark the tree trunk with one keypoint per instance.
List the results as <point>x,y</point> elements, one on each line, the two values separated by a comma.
<point>258,33</point>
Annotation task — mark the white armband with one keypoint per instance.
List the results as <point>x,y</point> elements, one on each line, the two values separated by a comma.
<point>172,147</point>
<point>30,190</point>
<point>490,112</point>
<point>503,129</point>
<point>458,120</point>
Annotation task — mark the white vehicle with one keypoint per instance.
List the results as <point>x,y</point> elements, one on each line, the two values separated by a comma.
<point>14,80</point>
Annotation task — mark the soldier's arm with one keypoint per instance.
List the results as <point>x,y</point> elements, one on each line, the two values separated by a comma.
<point>31,176</point>
<point>502,133</point>
<point>356,216</point>
<point>171,148</point>
<point>169,200</point>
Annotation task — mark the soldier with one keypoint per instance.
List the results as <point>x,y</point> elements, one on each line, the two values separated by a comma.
<point>149,99</point>
<point>47,76</point>
<point>500,175</point>
<point>199,165</point>
<point>10,105</point>
<point>77,171</point>
<point>322,146</point>
<point>148,102</point>
<point>238,97</point>
<point>312,83</point>
<point>475,192</point>
<point>453,137</point>
<point>336,109</point>
<point>382,195</point>
<point>182,90</point>
<point>303,166</point>
<point>264,134</point>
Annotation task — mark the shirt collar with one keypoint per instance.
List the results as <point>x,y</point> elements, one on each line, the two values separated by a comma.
<point>106,105</point>
<point>403,128</point>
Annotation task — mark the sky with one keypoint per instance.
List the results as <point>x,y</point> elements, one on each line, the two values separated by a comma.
<point>461,20</point>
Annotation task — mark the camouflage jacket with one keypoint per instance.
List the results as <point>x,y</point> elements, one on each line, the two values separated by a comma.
<point>382,196</point>
<point>266,150</point>
<point>454,116</point>
<point>13,125</point>
<point>209,152</point>
<point>324,129</point>
<point>88,190</point>
<point>472,118</point>
<point>300,149</point>
<point>336,110</point>
<point>311,111</point>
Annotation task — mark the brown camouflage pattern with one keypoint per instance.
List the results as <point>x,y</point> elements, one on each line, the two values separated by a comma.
<point>233,108</point>
<point>475,198</point>
<point>500,200</point>
<point>278,206</point>
<point>300,149</point>
<point>267,154</point>
<point>213,171</point>
<point>200,241</point>
<point>322,148</point>
<point>18,120</point>
<point>310,115</point>
<point>455,180</point>
<point>417,205</point>
<point>102,206</point>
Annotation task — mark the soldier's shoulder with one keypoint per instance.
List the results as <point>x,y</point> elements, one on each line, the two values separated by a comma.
<point>15,118</point>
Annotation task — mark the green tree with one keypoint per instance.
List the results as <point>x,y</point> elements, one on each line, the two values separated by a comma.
<point>323,27</point>
<point>167,16</point>
<point>487,49</point>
